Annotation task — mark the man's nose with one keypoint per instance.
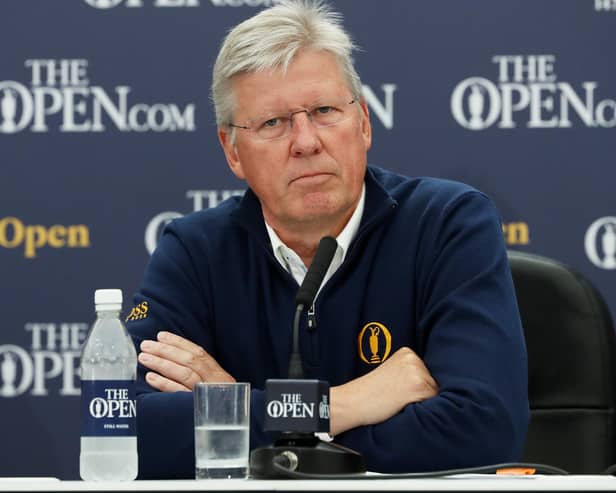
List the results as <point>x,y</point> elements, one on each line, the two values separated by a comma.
<point>305,139</point>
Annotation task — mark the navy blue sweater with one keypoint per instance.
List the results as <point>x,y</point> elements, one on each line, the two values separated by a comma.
<point>427,269</point>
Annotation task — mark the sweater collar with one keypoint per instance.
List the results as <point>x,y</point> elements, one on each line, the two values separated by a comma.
<point>378,202</point>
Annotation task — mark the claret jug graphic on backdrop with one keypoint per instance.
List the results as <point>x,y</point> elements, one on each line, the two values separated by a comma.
<point>60,96</point>
<point>50,361</point>
<point>527,93</point>
<point>600,243</point>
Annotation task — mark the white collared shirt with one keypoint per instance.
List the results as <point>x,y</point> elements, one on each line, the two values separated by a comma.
<point>293,263</point>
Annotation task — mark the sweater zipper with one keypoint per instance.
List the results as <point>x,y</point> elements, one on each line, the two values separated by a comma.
<point>311,314</point>
<point>312,319</point>
<point>313,336</point>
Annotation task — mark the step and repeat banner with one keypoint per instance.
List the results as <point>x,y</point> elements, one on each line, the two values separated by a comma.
<point>107,133</point>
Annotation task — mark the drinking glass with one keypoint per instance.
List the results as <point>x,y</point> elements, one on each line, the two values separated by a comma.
<point>222,417</point>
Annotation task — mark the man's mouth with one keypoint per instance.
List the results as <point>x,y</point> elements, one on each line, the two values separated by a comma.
<point>312,178</point>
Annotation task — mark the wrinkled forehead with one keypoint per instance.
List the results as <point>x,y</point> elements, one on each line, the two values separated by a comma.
<point>310,78</point>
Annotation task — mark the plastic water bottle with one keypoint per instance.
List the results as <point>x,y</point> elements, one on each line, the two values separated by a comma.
<point>108,407</point>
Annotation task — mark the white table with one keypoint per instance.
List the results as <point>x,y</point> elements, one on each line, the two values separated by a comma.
<point>458,483</point>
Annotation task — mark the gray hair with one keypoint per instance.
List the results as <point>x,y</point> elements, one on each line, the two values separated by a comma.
<point>270,40</point>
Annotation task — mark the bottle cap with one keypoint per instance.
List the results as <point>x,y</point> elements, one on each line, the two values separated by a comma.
<point>108,299</point>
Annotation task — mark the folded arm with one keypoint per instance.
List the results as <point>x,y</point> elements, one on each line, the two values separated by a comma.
<point>377,396</point>
<point>470,339</point>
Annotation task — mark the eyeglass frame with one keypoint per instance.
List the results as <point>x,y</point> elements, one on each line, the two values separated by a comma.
<point>289,116</point>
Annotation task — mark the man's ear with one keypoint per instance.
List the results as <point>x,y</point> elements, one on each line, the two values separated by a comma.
<point>366,128</point>
<point>233,159</point>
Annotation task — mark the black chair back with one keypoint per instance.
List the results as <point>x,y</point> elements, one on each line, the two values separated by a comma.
<point>571,357</point>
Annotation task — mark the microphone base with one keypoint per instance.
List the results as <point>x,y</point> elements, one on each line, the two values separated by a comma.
<point>304,453</point>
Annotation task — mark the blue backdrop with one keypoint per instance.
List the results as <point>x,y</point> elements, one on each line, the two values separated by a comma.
<point>106,133</point>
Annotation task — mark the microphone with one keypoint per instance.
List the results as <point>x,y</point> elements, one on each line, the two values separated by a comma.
<point>306,294</point>
<point>298,407</point>
<point>314,277</point>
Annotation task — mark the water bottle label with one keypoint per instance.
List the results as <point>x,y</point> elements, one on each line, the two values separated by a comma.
<point>108,408</point>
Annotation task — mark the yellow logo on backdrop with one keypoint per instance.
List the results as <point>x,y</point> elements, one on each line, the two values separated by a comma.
<point>138,312</point>
<point>374,343</point>
<point>32,237</point>
<point>516,233</point>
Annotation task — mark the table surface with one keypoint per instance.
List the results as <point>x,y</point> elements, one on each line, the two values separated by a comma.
<point>458,483</point>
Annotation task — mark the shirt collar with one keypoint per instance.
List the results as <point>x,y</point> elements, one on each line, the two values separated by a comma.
<point>379,203</point>
<point>344,239</point>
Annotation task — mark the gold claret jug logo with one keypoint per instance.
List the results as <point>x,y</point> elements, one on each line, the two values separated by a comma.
<point>374,341</point>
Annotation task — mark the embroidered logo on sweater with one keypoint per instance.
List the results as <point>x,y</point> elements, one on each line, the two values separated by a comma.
<point>138,312</point>
<point>374,343</point>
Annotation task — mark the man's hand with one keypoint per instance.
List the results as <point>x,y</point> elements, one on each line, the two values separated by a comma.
<point>385,391</point>
<point>178,364</point>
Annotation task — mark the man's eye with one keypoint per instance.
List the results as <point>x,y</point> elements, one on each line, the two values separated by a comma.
<point>324,109</point>
<point>272,122</point>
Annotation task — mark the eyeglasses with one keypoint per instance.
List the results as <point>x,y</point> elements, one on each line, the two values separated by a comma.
<point>272,126</point>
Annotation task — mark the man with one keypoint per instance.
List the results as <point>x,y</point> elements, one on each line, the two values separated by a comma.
<point>415,326</point>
